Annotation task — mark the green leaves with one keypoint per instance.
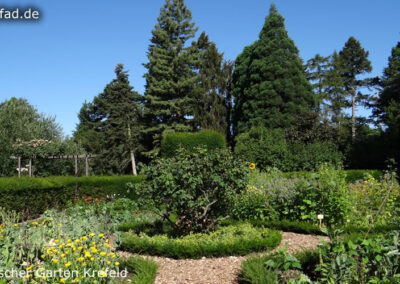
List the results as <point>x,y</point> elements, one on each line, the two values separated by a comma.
<point>199,186</point>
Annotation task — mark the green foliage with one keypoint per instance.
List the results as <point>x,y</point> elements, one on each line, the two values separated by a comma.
<point>270,148</point>
<point>206,138</point>
<point>352,62</point>
<point>363,260</point>
<point>269,84</point>
<point>20,120</point>
<point>374,201</point>
<point>296,198</point>
<point>230,240</point>
<point>144,270</point>
<point>171,78</point>
<point>117,113</point>
<point>210,108</point>
<point>272,268</point>
<point>35,195</point>
<point>199,187</point>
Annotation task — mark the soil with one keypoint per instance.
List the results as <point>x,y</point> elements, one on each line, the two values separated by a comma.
<point>221,270</point>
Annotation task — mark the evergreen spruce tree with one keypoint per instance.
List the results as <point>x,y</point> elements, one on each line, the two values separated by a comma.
<point>210,108</point>
<point>317,69</point>
<point>352,62</point>
<point>171,78</point>
<point>111,125</point>
<point>269,83</point>
<point>388,105</point>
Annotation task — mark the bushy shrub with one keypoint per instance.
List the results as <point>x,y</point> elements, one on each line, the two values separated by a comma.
<point>270,148</point>
<point>231,240</point>
<point>35,195</point>
<point>296,198</point>
<point>264,147</point>
<point>198,186</point>
<point>209,139</point>
<point>374,201</point>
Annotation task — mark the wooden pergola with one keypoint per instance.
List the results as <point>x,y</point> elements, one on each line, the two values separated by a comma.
<point>73,156</point>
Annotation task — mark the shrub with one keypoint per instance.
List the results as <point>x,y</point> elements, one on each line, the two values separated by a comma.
<point>209,139</point>
<point>198,186</point>
<point>231,240</point>
<point>264,147</point>
<point>35,195</point>
<point>374,201</point>
<point>270,148</point>
<point>296,198</point>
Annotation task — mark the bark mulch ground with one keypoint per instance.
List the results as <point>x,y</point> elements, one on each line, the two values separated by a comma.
<point>221,270</point>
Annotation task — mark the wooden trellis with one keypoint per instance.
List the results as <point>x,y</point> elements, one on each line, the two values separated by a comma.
<point>74,156</point>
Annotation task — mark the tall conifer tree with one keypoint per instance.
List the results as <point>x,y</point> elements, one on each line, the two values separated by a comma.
<point>269,82</point>
<point>171,78</point>
<point>210,111</point>
<point>352,62</point>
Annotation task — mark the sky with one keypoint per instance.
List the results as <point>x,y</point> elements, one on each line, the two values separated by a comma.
<point>68,56</point>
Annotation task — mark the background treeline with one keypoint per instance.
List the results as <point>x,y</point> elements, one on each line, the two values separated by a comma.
<point>272,107</point>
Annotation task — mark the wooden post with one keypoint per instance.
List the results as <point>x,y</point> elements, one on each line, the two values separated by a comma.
<point>30,167</point>
<point>76,165</point>
<point>19,167</point>
<point>86,165</point>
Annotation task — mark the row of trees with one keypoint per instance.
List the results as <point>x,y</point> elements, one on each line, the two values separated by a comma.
<point>189,86</point>
<point>267,96</point>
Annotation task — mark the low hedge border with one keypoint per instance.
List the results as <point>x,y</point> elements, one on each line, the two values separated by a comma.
<point>253,269</point>
<point>144,270</point>
<point>34,195</point>
<point>307,228</point>
<point>225,241</point>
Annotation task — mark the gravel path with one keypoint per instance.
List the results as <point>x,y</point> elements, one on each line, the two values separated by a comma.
<point>221,270</point>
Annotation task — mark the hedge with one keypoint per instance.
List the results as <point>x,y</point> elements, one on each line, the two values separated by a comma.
<point>226,241</point>
<point>187,140</point>
<point>34,195</point>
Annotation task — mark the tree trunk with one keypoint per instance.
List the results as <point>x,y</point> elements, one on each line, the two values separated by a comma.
<point>132,153</point>
<point>353,117</point>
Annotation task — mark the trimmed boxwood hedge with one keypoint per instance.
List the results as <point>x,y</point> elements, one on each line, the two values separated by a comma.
<point>173,141</point>
<point>241,239</point>
<point>34,195</point>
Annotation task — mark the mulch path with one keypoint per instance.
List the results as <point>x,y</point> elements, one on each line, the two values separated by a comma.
<point>220,270</point>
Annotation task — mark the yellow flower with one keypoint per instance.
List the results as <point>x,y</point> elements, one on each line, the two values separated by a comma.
<point>108,262</point>
<point>103,253</point>
<point>101,235</point>
<point>29,268</point>
<point>56,241</point>
<point>84,238</point>
<point>35,223</point>
<point>55,260</point>
<point>102,273</point>
<point>59,224</point>
<point>92,258</point>
<point>252,166</point>
<point>68,264</point>
<point>62,280</point>
<point>27,276</point>
<point>116,263</point>
<point>87,254</point>
<point>44,278</point>
<point>92,235</point>
<point>76,280</point>
<point>80,248</point>
<point>80,259</point>
<point>69,240</point>
<point>42,256</point>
